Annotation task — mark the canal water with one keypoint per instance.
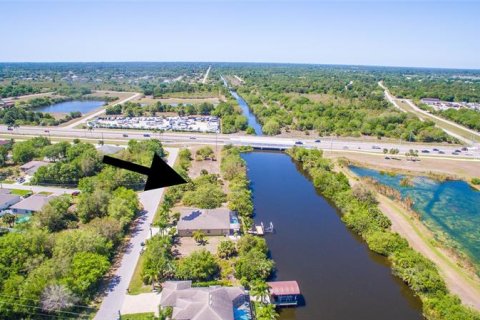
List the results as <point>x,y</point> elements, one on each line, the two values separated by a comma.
<point>252,120</point>
<point>84,106</point>
<point>339,277</point>
<point>451,207</point>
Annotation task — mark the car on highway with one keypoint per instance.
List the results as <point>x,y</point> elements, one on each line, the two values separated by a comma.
<point>318,141</point>
<point>425,151</point>
<point>441,152</point>
<point>125,135</point>
<point>298,142</point>
<point>376,147</point>
<point>464,149</point>
<point>47,131</point>
<point>146,135</point>
<point>345,147</point>
<point>455,153</point>
<point>435,149</point>
<point>193,138</point>
<point>9,128</point>
<point>458,151</point>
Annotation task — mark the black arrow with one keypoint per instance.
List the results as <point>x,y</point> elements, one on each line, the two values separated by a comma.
<point>159,174</point>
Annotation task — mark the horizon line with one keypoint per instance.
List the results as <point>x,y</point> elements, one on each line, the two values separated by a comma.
<point>246,62</point>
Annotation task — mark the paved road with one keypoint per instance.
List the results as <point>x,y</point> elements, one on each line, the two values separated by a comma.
<point>54,190</point>
<point>419,112</point>
<point>206,75</point>
<point>117,288</point>
<point>96,114</point>
<point>327,143</point>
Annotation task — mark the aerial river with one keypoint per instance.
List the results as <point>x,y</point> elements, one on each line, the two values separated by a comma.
<point>252,120</point>
<point>338,276</point>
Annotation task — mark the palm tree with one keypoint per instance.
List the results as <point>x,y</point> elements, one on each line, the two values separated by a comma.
<point>260,289</point>
<point>198,236</point>
<point>9,219</point>
<point>265,311</point>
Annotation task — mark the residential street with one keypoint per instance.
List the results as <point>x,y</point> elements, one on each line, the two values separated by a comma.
<point>117,288</point>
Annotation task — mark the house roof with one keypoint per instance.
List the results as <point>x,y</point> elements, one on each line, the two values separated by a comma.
<point>32,166</point>
<point>194,219</point>
<point>201,303</point>
<point>33,203</point>
<point>280,288</point>
<point>109,149</point>
<point>4,198</point>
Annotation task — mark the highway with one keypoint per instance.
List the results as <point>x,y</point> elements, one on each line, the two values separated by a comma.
<point>327,143</point>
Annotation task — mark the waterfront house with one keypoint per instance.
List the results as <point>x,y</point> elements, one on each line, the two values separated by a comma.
<point>31,167</point>
<point>212,222</point>
<point>205,303</point>
<point>7,199</point>
<point>284,293</point>
<point>31,204</point>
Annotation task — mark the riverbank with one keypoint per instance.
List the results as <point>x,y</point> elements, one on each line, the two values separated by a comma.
<point>460,281</point>
<point>362,215</point>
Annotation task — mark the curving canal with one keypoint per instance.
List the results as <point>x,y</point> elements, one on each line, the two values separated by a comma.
<point>338,276</point>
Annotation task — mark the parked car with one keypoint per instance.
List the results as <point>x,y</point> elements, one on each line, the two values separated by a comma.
<point>47,131</point>
<point>458,151</point>
<point>441,152</point>
<point>455,153</point>
<point>435,149</point>
<point>464,149</point>
<point>193,138</point>
<point>9,128</point>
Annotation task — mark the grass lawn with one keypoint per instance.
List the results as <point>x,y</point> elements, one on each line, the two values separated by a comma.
<point>20,192</point>
<point>45,193</point>
<point>139,316</point>
<point>136,285</point>
<point>8,181</point>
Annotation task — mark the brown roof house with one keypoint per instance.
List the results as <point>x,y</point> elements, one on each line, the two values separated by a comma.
<point>7,199</point>
<point>31,204</point>
<point>31,167</point>
<point>213,222</point>
<point>204,303</point>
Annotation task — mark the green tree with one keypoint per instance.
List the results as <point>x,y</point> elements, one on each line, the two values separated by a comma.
<point>198,266</point>
<point>226,249</point>
<point>9,219</point>
<point>253,265</point>
<point>54,216</point>
<point>86,271</point>
<point>260,289</point>
<point>265,311</point>
<point>198,236</point>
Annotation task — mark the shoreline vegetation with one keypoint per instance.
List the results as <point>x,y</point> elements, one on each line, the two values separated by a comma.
<point>360,212</point>
<point>241,261</point>
<point>441,238</point>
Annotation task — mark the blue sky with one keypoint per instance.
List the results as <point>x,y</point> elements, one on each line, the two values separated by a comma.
<point>408,33</point>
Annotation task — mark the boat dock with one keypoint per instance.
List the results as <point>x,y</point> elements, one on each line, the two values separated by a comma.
<point>260,230</point>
